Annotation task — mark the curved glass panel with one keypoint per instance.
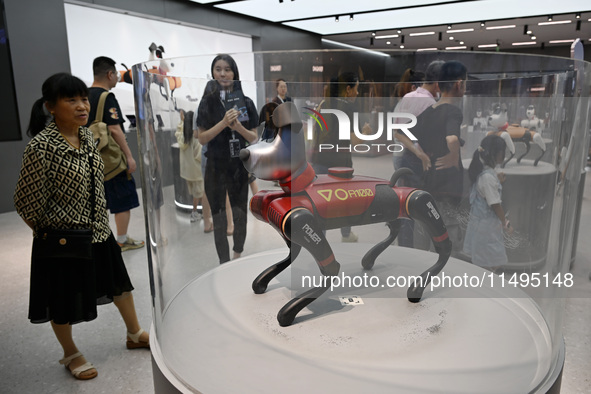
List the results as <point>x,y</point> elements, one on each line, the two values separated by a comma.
<point>354,322</point>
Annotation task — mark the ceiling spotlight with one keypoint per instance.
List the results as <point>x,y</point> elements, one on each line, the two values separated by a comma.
<point>482,24</point>
<point>336,18</point>
<point>461,42</point>
<point>578,15</point>
<point>448,27</point>
<point>351,17</point>
<point>373,33</point>
<point>388,43</point>
<point>549,18</point>
<point>533,37</point>
<point>401,46</point>
<point>398,31</point>
<point>451,38</point>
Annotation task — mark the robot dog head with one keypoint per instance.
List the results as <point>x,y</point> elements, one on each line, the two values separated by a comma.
<point>498,118</point>
<point>280,152</point>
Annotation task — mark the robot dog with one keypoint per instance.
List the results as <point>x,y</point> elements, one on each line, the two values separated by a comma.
<point>309,203</point>
<point>514,133</point>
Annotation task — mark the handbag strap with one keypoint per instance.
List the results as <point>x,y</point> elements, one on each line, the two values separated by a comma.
<point>101,106</point>
<point>92,181</point>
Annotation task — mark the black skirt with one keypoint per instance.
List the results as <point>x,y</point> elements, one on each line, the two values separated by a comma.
<point>69,290</point>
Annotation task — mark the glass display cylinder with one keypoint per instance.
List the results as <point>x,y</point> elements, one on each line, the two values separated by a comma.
<point>490,316</point>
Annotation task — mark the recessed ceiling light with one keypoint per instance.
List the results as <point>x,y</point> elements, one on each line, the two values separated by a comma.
<point>500,27</point>
<point>461,42</point>
<point>388,43</point>
<point>451,37</point>
<point>533,37</point>
<point>401,46</point>
<point>459,30</point>
<point>560,41</point>
<point>524,43</point>
<point>425,33</point>
<point>554,23</point>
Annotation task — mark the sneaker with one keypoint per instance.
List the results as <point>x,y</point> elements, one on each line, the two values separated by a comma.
<point>130,244</point>
<point>352,237</point>
<point>195,216</point>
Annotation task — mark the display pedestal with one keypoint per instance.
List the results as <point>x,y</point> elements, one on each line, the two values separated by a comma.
<point>217,336</point>
<point>528,200</point>
<point>182,198</point>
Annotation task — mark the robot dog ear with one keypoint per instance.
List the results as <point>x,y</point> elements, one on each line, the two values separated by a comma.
<point>287,114</point>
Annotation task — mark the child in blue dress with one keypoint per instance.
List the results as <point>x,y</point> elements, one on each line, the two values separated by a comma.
<point>484,235</point>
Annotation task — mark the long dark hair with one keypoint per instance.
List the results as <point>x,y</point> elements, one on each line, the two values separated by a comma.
<point>188,126</point>
<point>486,153</point>
<point>338,85</point>
<point>54,88</point>
<point>215,86</point>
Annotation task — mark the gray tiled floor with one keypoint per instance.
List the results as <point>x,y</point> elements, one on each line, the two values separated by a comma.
<point>28,360</point>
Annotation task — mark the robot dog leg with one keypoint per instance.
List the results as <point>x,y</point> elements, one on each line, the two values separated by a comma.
<point>370,257</point>
<point>259,285</point>
<point>303,229</point>
<point>421,207</point>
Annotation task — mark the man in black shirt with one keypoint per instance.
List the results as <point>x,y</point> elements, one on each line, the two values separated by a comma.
<point>120,191</point>
<point>438,134</point>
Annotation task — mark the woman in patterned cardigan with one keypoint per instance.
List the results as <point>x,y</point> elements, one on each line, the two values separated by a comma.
<point>60,165</point>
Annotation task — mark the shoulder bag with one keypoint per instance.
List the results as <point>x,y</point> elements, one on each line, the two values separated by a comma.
<point>113,157</point>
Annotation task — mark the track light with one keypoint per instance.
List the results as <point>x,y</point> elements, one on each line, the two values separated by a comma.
<point>373,33</point>
<point>336,18</point>
<point>482,24</point>
<point>578,15</point>
<point>351,17</point>
<point>398,31</point>
<point>549,18</point>
<point>533,37</point>
<point>448,27</point>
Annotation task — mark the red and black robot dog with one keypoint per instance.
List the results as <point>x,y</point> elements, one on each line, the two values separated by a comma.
<point>309,203</point>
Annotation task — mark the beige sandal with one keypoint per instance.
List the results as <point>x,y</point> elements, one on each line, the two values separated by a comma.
<point>77,372</point>
<point>134,340</point>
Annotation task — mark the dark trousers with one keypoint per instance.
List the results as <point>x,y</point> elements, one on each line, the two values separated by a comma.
<point>232,178</point>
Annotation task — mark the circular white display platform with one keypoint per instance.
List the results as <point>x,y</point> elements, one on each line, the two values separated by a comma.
<point>217,336</point>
